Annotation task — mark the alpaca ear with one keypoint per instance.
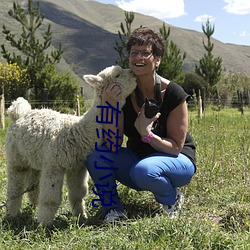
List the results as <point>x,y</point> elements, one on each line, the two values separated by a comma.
<point>93,80</point>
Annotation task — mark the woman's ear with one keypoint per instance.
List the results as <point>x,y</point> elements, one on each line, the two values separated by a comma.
<point>158,62</point>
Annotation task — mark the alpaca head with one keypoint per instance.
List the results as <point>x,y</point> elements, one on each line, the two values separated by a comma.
<point>125,78</point>
<point>18,108</point>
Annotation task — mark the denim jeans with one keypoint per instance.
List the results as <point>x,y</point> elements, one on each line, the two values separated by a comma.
<point>158,173</point>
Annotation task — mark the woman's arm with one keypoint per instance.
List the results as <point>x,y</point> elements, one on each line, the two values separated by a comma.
<point>176,127</point>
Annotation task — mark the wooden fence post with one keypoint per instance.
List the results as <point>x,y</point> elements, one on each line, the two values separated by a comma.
<point>195,98</point>
<point>199,105</point>
<point>219,100</point>
<point>2,109</point>
<point>241,103</point>
<point>45,97</point>
<point>78,112</point>
<point>203,94</point>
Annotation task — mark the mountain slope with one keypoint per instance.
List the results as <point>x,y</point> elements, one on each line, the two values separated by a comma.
<point>88,31</point>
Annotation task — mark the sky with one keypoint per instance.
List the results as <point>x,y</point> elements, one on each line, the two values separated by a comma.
<point>231,18</point>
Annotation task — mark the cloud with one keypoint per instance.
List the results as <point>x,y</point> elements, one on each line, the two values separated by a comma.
<point>161,9</point>
<point>243,33</point>
<point>240,7</point>
<point>203,18</point>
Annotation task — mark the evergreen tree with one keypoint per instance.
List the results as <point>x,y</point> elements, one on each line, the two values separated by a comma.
<point>193,83</point>
<point>172,61</point>
<point>209,67</point>
<point>124,34</point>
<point>32,51</point>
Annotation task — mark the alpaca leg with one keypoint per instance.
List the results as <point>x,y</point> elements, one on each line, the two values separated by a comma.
<point>77,181</point>
<point>50,195</point>
<point>34,186</point>
<point>16,179</point>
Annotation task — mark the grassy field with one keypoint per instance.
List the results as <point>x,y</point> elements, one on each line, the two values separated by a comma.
<point>215,215</point>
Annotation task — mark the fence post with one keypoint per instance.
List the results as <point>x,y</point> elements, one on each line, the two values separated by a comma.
<point>199,105</point>
<point>2,108</point>
<point>78,113</point>
<point>240,100</point>
<point>45,97</point>
<point>219,100</point>
<point>195,98</point>
<point>203,98</point>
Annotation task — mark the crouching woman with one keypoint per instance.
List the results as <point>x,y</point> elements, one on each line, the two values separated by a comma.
<point>160,155</point>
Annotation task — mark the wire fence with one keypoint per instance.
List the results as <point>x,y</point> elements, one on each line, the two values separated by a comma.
<point>193,102</point>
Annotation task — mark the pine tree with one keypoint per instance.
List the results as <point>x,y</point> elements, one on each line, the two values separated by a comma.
<point>172,61</point>
<point>209,67</point>
<point>124,35</point>
<point>31,49</point>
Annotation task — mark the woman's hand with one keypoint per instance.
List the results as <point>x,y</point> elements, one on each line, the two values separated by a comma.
<point>112,94</point>
<point>144,124</point>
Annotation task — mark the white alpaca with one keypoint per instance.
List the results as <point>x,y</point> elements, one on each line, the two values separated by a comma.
<point>42,145</point>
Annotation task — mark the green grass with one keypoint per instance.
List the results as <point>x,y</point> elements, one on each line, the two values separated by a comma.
<point>216,213</point>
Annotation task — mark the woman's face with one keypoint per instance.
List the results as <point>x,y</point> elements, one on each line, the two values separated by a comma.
<point>142,60</point>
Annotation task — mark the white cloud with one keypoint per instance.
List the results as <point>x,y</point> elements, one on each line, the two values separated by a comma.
<point>243,33</point>
<point>161,9</point>
<point>203,18</point>
<point>240,7</point>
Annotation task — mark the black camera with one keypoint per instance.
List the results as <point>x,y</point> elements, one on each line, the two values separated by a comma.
<point>151,108</point>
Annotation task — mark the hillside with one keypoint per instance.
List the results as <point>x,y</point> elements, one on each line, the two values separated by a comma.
<point>88,31</point>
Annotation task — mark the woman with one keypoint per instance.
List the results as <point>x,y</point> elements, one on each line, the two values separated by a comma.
<point>160,154</point>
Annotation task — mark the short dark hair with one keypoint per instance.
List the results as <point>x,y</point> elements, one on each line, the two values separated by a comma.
<point>146,36</point>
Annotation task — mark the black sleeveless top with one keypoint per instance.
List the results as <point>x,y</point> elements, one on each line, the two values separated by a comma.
<point>174,95</point>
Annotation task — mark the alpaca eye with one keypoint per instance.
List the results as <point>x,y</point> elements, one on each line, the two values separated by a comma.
<point>117,76</point>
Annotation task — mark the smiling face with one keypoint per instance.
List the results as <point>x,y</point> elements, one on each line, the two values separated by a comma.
<point>145,48</point>
<point>142,61</point>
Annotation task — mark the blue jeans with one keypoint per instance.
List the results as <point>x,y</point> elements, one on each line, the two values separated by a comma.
<point>158,173</point>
